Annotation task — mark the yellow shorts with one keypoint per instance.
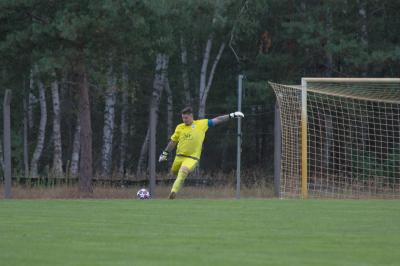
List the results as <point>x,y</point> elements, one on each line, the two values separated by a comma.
<point>180,161</point>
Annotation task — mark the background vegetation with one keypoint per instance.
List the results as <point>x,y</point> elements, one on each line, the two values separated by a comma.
<point>127,59</point>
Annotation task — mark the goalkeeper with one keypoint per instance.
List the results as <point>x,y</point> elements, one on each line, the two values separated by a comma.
<point>189,137</point>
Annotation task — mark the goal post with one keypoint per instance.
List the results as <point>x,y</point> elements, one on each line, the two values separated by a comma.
<point>340,138</point>
<point>304,152</point>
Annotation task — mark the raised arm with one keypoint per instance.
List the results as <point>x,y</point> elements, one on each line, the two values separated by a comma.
<point>170,147</point>
<point>223,118</point>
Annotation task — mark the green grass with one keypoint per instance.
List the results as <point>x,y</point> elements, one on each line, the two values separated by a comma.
<point>199,232</point>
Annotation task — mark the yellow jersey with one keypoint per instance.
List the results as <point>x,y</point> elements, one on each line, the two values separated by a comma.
<point>190,138</point>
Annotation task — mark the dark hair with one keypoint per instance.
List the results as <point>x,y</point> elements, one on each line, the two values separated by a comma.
<point>187,110</point>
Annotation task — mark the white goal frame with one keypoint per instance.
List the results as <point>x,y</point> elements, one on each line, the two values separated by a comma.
<point>304,124</point>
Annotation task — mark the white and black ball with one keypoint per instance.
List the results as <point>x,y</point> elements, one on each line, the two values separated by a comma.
<point>143,194</point>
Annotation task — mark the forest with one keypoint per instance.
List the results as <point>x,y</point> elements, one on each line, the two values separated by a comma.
<point>88,78</point>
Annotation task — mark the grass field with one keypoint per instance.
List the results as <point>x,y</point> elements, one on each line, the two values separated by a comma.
<point>199,232</point>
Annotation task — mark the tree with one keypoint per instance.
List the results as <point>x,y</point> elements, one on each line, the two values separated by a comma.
<point>207,43</point>
<point>185,74</point>
<point>124,120</point>
<point>57,151</point>
<point>158,86</point>
<point>76,146</point>
<point>86,156</point>
<point>109,116</point>
<point>42,130</point>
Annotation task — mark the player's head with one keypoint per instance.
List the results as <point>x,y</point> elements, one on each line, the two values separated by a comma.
<point>187,115</point>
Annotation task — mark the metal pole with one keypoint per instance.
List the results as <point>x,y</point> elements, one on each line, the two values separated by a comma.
<point>239,138</point>
<point>7,144</point>
<point>304,155</point>
<point>277,151</point>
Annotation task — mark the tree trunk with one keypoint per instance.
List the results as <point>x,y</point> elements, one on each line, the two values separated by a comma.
<point>170,112</point>
<point>211,76</point>
<point>185,74</point>
<point>42,131</point>
<point>203,76</point>
<point>328,54</point>
<point>1,157</point>
<point>170,108</point>
<point>205,87</point>
<point>86,162</point>
<point>75,150</point>
<point>158,85</point>
<point>143,154</point>
<point>26,144</point>
<point>57,154</point>
<point>32,100</point>
<point>124,122</point>
<point>196,57</point>
<point>108,129</point>
<point>7,144</point>
<point>364,33</point>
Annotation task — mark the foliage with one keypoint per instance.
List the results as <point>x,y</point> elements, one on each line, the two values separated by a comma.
<point>306,38</point>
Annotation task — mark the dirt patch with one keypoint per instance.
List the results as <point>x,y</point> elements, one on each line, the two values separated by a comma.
<point>112,192</point>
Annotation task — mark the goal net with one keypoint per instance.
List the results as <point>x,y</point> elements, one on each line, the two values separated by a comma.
<point>340,138</point>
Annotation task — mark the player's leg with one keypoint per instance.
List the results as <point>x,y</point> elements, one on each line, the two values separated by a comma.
<point>176,165</point>
<point>187,166</point>
<point>182,174</point>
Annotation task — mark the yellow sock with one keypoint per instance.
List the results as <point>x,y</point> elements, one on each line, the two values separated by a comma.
<point>179,181</point>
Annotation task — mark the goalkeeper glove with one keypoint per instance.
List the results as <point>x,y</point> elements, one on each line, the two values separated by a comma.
<point>236,115</point>
<point>163,156</point>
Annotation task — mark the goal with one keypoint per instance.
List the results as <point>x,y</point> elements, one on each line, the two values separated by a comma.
<point>340,138</point>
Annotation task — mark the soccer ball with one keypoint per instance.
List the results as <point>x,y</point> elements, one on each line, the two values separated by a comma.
<point>143,194</point>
